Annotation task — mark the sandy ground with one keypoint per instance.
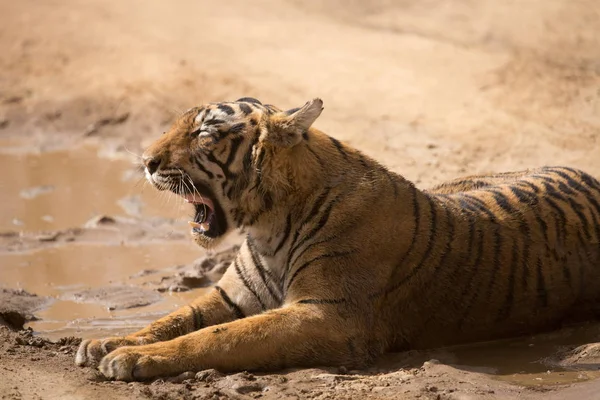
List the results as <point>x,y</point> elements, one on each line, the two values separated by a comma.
<point>434,89</point>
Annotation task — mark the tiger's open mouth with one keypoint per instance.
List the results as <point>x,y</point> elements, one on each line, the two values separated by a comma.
<point>209,219</point>
<point>205,212</point>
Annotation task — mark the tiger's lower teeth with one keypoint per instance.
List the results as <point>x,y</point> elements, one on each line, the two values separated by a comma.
<point>203,227</point>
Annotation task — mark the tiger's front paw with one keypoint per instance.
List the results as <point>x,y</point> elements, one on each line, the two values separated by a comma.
<point>90,352</point>
<point>136,363</point>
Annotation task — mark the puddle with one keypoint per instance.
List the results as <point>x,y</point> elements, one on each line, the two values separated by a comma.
<point>62,271</point>
<point>57,270</point>
<point>65,188</point>
<point>523,360</point>
<point>526,361</point>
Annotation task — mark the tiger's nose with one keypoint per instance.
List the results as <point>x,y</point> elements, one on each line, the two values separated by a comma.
<point>152,164</point>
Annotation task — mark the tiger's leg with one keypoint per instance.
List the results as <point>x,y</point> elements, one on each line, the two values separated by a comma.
<point>213,308</point>
<point>296,335</point>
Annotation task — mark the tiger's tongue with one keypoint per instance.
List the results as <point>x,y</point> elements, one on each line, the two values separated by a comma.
<point>197,199</point>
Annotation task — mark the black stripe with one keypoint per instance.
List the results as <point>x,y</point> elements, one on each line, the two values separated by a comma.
<point>197,317</point>
<point>510,294</point>
<point>221,152</point>
<point>585,224</point>
<point>246,109</point>
<point>262,272</point>
<point>593,184</point>
<point>524,196</point>
<point>253,218</point>
<point>319,201</point>
<point>563,187</point>
<point>530,185</point>
<point>310,246</point>
<point>560,222</point>
<point>532,201</point>
<point>335,236</point>
<point>589,180</point>
<point>213,121</point>
<point>235,144</point>
<point>471,242</point>
<point>393,180</point>
<point>551,190</point>
<point>286,233</point>
<point>411,246</point>
<point>498,241</point>
<point>315,229</point>
<point>201,167</point>
<point>322,301</point>
<point>362,160</point>
<point>211,158</point>
<point>417,218</point>
<point>542,294</point>
<point>270,108</point>
<point>544,179</point>
<point>237,128</point>
<point>258,167</point>
<point>589,195</point>
<point>247,166</point>
<point>475,267</point>
<point>338,145</point>
<point>584,261</point>
<point>226,109</point>
<point>317,258</point>
<point>573,188</point>
<point>466,204</point>
<point>238,268</point>
<point>229,192</point>
<point>446,250</point>
<point>478,204</point>
<point>570,181</point>
<point>430,244</point>
<point>560,226</point>
<point>251,100</point>
<point>237,216</point>
<point>234,307</point>
<point>503,202</point>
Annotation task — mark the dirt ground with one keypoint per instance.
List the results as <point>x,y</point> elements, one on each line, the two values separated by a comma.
<point>434,89</point>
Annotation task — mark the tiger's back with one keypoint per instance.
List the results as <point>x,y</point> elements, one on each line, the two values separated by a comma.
<point>523,254</point>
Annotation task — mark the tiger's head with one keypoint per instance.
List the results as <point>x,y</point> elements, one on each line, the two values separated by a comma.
<point>229,160</point>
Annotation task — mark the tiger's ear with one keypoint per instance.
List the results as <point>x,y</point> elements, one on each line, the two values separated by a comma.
<point>286,128</point>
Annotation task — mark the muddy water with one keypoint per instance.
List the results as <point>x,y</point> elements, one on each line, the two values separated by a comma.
<point>61,189</point>
<point>524,360</point>
<point>65,188</point>
<point>65,272</point>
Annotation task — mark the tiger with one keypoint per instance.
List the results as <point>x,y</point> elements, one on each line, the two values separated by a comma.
<point>344,260</point>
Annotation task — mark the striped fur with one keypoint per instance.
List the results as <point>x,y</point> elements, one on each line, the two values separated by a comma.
<point>345,260</point>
